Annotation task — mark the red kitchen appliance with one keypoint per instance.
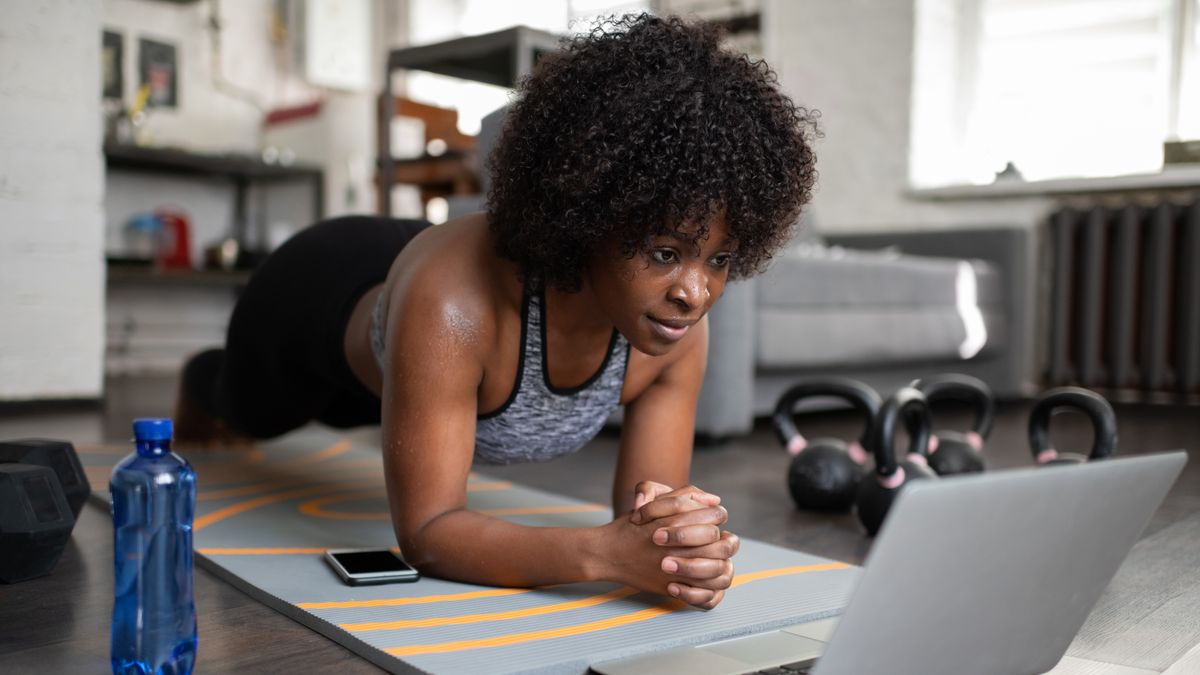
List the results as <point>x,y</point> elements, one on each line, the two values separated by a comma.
<point>175,252</point>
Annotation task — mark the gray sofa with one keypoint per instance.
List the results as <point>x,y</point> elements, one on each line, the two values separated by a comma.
<point>884,308</point>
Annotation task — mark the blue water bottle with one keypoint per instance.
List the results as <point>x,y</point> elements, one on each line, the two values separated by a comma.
<point>153,499</point>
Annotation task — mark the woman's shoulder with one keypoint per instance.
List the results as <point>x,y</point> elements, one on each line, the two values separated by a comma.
<point>451,273</point>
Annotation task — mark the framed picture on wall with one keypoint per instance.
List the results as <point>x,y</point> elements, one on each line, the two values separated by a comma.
<point>112,62</point>
<point>158,68</point>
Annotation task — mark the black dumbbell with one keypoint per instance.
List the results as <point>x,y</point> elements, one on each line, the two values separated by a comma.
<point>35,521</point>
<point>825,472</point>
<point>952,452</point>
<point>877,492</point>
<point>1098,410</point>
<point>56,455</point>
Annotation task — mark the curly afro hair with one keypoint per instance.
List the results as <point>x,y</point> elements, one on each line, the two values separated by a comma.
<point>642,127</point>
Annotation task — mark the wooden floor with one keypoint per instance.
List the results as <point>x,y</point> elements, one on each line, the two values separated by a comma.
<point>1151,613</point>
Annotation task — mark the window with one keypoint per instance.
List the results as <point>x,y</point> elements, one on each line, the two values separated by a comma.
<point>1057,88</point>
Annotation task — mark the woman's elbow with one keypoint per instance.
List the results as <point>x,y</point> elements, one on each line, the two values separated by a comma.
<point>419,544</point>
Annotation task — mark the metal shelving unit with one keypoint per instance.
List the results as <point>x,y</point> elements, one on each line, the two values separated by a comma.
<point>501,58</point>
<point>241,170</point>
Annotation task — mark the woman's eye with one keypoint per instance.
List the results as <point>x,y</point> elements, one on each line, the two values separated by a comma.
<point>664,256</point>
<point>722,260</point>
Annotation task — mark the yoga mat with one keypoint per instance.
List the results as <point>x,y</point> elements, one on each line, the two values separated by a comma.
<point>264,519</point>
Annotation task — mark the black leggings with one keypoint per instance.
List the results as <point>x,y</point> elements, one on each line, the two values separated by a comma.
<point>283,364</point>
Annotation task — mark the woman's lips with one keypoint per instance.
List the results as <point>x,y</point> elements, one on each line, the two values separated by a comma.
<point>668,329</point>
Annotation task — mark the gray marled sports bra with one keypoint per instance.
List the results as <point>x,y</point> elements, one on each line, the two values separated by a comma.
<point>538,422</point>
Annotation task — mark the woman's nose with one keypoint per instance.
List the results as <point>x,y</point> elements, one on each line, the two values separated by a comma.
<point>690,290</point>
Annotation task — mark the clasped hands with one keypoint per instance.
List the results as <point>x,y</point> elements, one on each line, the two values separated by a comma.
<point>672,543</point>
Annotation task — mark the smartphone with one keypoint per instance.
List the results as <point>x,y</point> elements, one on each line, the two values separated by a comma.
<point>359,567</point>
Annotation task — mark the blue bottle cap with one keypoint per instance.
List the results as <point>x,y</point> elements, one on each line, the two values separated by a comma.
<point>153,429</point>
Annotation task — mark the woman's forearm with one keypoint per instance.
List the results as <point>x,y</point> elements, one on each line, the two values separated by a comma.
<point>475,548</point>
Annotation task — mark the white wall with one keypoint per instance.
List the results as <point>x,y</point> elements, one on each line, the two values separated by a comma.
<point>209,118</point>
<point>853,61</point>
<point>51,190</point>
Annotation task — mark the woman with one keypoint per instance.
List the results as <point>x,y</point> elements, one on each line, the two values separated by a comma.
<point>639,169</point>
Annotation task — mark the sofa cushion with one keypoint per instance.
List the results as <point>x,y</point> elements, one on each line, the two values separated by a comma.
<point>870,336</point>
<point>807,275</point>
<point>822,306</point>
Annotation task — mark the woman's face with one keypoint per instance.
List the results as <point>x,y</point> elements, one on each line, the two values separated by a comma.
<point>656,296</point>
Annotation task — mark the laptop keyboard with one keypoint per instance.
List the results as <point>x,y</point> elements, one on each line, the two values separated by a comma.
<point>795,668</point>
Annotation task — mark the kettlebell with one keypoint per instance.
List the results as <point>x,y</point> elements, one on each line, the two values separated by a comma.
<point>952,452</point>
<point>877,491</point>
<point>1098,410</point>
<point>35,521</point>
<point>824,473</point>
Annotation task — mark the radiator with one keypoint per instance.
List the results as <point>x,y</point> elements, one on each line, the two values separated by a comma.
<point>1125,299</point>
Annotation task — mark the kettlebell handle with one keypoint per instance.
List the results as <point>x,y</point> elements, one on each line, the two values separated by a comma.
<point>862,397</point>
<point>1095,406</point>
<point>958,387</point>
<point>909,404</point>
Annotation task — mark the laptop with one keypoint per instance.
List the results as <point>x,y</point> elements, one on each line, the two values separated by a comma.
<point>988,573</point>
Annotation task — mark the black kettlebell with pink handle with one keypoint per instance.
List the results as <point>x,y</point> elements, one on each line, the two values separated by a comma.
<point>1097,409</point>
<point>824,473</point>
<point>878,491</point>
<point>954,452</point>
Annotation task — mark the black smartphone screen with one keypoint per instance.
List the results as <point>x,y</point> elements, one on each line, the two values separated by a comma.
<point>366,562</point>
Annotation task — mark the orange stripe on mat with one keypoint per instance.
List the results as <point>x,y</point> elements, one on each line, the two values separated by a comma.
<point>532,636</point>
<point>488,487</point>
<point>242,491</point>
<point>426,599</point>
<point>253,456</point>
<point>619,593</point>
<point>316,507</point>
<point>740,579</point>
<point>614,622</point>
<point>340,448</point>
<point>234,509</point>
<point>261,487</point>
<point>207,519</point>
